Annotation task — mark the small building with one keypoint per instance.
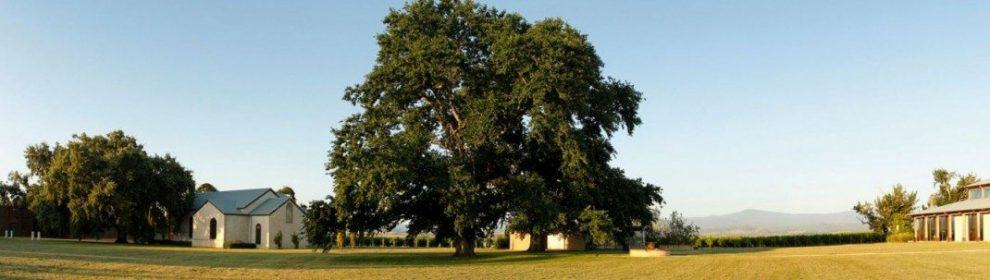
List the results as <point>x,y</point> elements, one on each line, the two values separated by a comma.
<point>966,220</point>
<point>243,216</point>
<point>555,242</point>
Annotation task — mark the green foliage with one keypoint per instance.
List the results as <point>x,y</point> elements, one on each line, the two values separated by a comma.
<point>295,240</point>
<point>12,193</point>
<point>286,190</point>
<point>673,231</point>
<point>471,115</point>
<point>320,225</point>
<point>889,212</point>
<point>206,188</point>
<point>946,192</point>
<point>790,240</point>
<point>900,237</point>
<point>278,239</point>
<point>97,182</point>
<point>598,226</point>
<point>242,245</point>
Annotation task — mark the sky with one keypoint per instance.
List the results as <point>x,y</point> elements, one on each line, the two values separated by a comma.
<point>791,106</point>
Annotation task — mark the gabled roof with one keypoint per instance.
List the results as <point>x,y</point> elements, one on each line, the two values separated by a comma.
<point>980,183</point>
<point>229,202</point>
<point>960,206</point>
<point>270,205</point>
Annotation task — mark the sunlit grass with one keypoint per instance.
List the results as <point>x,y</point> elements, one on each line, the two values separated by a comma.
<point>20,258</point>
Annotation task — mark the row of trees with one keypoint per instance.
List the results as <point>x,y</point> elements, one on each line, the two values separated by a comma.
<point>94,183</point>
<point>888,214</point>
<point>473,117</point>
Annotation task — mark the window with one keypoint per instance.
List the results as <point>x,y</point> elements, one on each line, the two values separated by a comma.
<point>213,229</point>
<point>288,213</point>
<point>257,234</point>
<point>190,227</point>
<point>975,193</point>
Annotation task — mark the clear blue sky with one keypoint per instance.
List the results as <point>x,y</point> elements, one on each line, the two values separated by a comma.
<point>780,105</point>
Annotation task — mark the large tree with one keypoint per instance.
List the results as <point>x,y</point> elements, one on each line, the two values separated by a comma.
<point>889,212</point>
<point>12,193</point>
<point>945,191</point>
<point>97,182</point>
<point>470,114</point>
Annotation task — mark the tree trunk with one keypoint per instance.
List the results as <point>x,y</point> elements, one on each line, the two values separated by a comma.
<point>464,247</point>
<point>353,239</point>
<point>121,236</point>
<point>537,242</point>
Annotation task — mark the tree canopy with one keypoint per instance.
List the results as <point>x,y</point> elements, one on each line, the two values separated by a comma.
<point>92,183</point>
<point>206,188</point>
<point>471,115</point>
<point>889,212</point>
<point>13,192</point>
<point>946,192</point>
<point>286,190</point>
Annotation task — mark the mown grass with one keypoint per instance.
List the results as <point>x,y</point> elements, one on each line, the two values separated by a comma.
<point>20,258</point>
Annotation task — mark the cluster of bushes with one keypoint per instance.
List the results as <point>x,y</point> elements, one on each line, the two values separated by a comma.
<point>789,240</point>
<point>241,245</point>
<point>500,242</point>
<point>171,242</point>
<point>900,237</point>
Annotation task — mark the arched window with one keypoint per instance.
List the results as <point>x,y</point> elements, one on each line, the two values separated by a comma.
<point>257,234</point>
<point>288,213</point>
<point>213,229</point>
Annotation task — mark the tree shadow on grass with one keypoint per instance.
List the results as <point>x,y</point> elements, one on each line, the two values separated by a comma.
<point>271,259</point>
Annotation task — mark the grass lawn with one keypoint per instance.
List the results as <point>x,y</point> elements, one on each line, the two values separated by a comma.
<point>21,258</point>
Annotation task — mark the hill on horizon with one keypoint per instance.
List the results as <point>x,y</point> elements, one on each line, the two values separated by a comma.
<point>762,222</point>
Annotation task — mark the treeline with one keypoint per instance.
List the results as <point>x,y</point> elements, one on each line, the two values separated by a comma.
<point>92,184</point>
<point>790,240</point>
<point>499,242</point>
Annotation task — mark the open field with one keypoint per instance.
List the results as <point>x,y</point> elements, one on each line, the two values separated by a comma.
<point>20,258</point>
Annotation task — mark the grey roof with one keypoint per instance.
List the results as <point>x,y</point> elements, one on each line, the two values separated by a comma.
<point>980,183</point>
<point>965,205</point>
<point>269,205</point>
<point>229,202</point>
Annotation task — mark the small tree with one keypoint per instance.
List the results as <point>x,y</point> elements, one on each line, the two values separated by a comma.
<point>286,190</point>
<point>278,239</point>
<point>598,225</point>
<point>673,231</point>
<point>295,240</point>
<point>888,212</point>
<point>206,188</point>
<point>320,225</point>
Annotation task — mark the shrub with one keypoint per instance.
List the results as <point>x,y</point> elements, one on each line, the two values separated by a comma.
<point>295,240</point>
<point>172,243</point>
<point>792,240</point>
<point>278,239</point>
<point>241,245</point>
<point>676,231</point>
<point>900,237</point>
<point>501,242</point>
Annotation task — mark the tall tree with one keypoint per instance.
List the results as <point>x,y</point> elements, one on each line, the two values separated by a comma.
<point>286,190</point>
<point>206,188</point>
<point>467,109</point>
<point>946,192</point>
<point>889,212</point>
<point>320,224</point>
<point>96,182</point>
<point>12,193</point>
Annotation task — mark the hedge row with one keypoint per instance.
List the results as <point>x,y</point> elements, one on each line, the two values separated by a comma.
<point>789,240</point>
<point>499,242</point>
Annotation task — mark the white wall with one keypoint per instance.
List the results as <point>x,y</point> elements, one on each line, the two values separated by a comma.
<point>201,227</point>
<point>277,222</point>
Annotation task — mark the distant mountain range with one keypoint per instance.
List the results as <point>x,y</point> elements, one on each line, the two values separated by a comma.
<point>760,222</point>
